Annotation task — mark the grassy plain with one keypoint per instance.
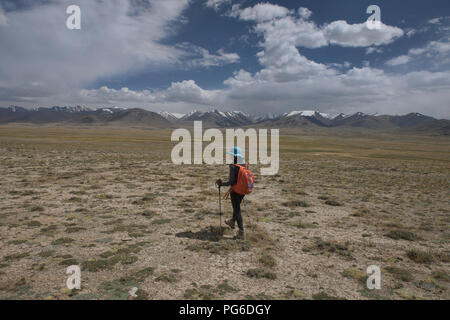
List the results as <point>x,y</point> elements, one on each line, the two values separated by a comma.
<point>110,200</point>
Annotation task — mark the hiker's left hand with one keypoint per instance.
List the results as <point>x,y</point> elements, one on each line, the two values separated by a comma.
<point>218,182</point>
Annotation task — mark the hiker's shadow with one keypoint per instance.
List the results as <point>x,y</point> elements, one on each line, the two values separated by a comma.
<point>206,234</point>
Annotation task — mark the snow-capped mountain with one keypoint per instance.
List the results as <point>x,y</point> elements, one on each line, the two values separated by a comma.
<point>82,115</point>
<point>306,113</point>
<point>217,118</point>
<point>308,118</point>
<point>316,117</point>
<point>190,114</point>
<point>340,116</point>
<point>110,110</point>
<point>71,109</point>
<point>220,118</point>
<point>171,116</point>
<point>267,116</point>
<point>16,109</point>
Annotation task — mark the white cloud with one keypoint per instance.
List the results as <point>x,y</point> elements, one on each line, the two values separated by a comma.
<point>399,60</point>
<point>435,52</point>
<point>435,21</point>
<point>285,63</point>
<point>358,35</point>
<point>358,89</point>
<point>417,51</point>
<point>276,21</point>
<point>3,18</point>
<point>260,12</point>
<point>371,50</point>
<point>199,56</point>
<point>186,92</point>
<point>411,32</point>
<point>439,47</point>
<point>218,59</point>
<point>115,97</point>
<point>293,31</point>
<point>189,91</point>
<point>284,32</point>
<point>304,13</point>
<point>287,78</point>
<point>240,78</point>
<point>37,47</point>
<point>217,4</point>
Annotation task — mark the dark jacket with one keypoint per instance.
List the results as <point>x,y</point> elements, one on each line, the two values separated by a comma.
<point>232,177</point>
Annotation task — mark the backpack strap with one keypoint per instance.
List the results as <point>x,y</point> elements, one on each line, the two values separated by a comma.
<point>241,166</point>
<point>225,197</point>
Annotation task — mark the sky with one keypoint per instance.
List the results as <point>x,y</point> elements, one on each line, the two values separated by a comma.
<point>252,56</point>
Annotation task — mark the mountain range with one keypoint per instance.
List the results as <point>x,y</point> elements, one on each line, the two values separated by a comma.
<point>82,115</point>
<point>216,118</point>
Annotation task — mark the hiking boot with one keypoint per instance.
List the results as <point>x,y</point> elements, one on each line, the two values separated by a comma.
<point>240,235</point>
<point>230,223</point>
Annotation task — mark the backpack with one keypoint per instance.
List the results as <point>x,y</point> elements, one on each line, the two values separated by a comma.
<point>245,181</point>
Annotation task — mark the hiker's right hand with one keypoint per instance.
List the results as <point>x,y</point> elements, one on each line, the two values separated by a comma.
<point>218,182</point>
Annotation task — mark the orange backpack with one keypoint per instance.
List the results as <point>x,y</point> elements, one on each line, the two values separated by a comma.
<point>245,182</point>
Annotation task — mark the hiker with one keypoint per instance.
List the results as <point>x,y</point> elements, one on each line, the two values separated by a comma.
<point>236,198</point>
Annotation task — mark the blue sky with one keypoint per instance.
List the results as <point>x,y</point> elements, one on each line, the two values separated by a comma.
<point>254,56</point>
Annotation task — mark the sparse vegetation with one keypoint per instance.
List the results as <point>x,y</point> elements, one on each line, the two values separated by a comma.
<point>400,274</point>
<point>403,235</point>
<point>441,275</point>
<point>161,221</point>
<point>330,247</point>
<point>34,224</point>
<point>325,296</point>
<point>113,198</point>
<point>303,225</point>
<point>355,274</point>
<point>333,203</point>
<point>261,273</point>
<point>166,277</point>
<point>420,256</point>
<point>15,256</point>
<point>267,260</point>
<point>296,203</point>
<point>62,241</point>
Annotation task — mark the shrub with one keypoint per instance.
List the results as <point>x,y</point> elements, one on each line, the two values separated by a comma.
<point>403,235</point>
<point>261,273</point>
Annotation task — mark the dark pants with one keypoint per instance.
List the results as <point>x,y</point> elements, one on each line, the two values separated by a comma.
<point>236,200</point>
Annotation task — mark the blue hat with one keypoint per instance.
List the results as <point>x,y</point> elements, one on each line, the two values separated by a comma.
<point>237,152</point>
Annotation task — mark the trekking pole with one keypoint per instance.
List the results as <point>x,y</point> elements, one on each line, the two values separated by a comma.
<point>220,210</point>
<point>245,209</point>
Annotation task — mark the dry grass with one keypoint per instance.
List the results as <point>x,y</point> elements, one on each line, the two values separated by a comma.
<point>111,201</point>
